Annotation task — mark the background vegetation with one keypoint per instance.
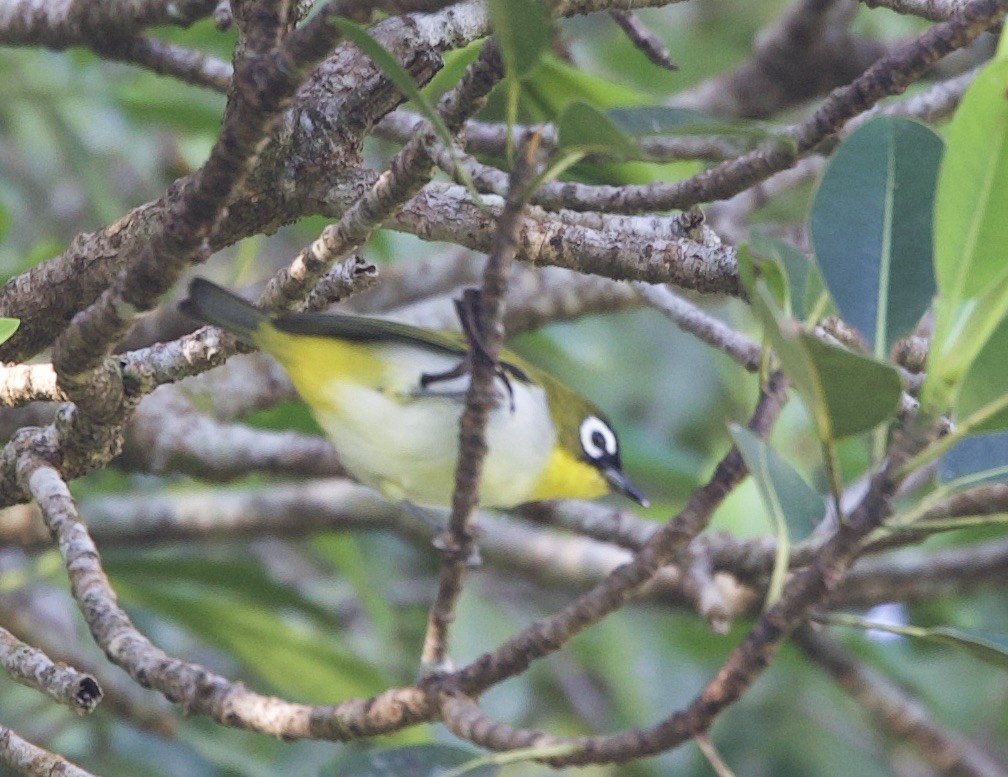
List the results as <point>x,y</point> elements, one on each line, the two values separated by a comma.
<point>232,547</point>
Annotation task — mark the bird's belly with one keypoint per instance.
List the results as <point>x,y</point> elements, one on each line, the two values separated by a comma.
<point>408,449</point>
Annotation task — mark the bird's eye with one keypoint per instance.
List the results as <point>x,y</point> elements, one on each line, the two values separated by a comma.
<point>597,439</point>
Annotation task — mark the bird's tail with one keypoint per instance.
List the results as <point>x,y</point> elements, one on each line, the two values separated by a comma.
<point>211,304</point>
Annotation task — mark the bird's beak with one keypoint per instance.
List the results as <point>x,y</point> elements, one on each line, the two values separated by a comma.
<point>622,484</point>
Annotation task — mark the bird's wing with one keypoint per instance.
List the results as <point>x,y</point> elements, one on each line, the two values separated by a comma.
<point>362,329</point>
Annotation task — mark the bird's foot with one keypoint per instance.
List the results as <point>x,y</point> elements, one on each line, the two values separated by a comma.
<point>468,313</point>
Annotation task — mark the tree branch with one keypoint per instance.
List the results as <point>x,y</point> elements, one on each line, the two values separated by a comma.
<point>32,760</point>
<point>901,715</point>
<point>888,76</point>
<point>458,543</point>
<point>198,690</point>
<point>663,547</point>
<point>79,22</point>
<point>30,666</point>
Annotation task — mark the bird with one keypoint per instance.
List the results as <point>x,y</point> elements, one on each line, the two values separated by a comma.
<point>389,397</point>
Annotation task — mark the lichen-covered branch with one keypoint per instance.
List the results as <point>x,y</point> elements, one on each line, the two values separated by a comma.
<point>28,759</point>
<point>408,172</point>
<point>30,666</point>
<point>79,22</point>
<point>198,690</point>
<point>447,212</point>
<point>459,541</point>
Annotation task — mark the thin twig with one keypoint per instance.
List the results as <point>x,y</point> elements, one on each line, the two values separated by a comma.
<point>690,318</point>
<point>935,10</point>
<point>458,542</point>
<point>889,76</point>
<point>649,44</point>
<point>547,636</point>
<point>169,59</point>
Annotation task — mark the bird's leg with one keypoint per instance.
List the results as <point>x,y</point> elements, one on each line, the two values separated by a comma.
<point>467,310</point>
<point>462,368</point>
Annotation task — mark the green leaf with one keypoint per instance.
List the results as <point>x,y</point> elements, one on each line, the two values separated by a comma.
<point>871,227</point>
<point>665,120</point>
<point>293,660</point>
<point>793,506</point>
<point>985,387</point>
<point>555,84</point>
<point>975,460</point>
<point>582,128</point>
<point>950,360</point>
<point>846,393</point>
<point>395,73</point>
<point>523,29</point>
<point>784,491</point>
<point>8,326</point>
<point>800,283</point>
<point>990,648</point>
<point>414,761</point>
<point>231,577</point>
<point>970,229</point>
<point>858,392</point>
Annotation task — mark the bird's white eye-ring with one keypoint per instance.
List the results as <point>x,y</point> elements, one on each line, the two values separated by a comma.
<point>597,439</point>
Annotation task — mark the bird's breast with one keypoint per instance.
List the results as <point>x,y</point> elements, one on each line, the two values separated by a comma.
<point>402,438</point>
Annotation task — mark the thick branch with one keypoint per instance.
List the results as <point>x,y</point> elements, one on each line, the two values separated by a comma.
<point>265,86</point>
<point>76,22</point>
<point>408,172</point>
<point>447,212</point>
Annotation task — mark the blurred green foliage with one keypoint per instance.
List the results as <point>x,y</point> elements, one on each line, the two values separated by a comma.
<point>84,140</point>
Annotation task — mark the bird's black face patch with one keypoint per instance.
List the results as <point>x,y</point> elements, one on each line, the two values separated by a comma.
<point>598,441</point>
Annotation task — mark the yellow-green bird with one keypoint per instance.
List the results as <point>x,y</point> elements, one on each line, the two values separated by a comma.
<point>363,379</point>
